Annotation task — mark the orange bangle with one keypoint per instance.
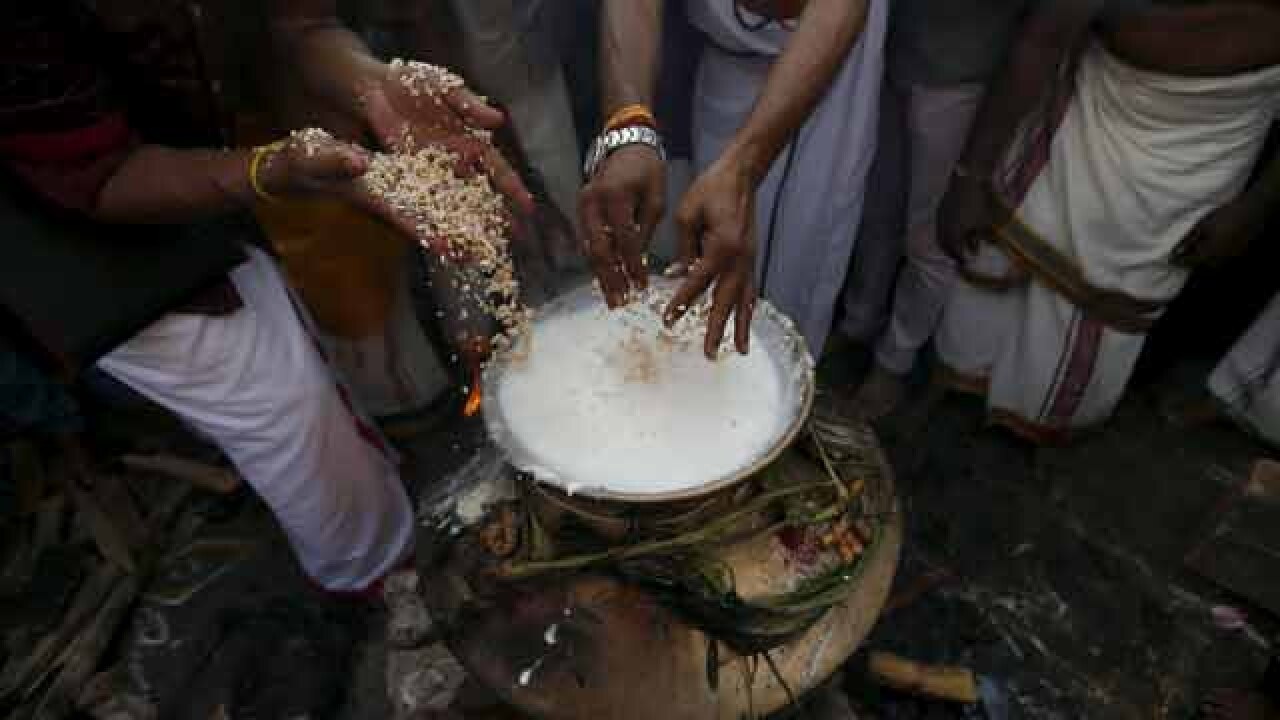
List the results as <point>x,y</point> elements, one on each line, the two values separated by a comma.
<point>631,115</point>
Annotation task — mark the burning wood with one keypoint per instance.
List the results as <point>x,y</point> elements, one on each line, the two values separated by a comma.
<point>474,395</point>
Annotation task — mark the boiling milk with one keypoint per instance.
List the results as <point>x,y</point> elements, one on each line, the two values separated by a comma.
<point>613,401</point>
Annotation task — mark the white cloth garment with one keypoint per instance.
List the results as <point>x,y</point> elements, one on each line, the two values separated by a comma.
<point>873,270</point>
<point>254,383</point>
<point>938,121</point>
<point>810,204</point>
<point>1247,381</point>
<point>504,57</point>
<point>1138,159</point>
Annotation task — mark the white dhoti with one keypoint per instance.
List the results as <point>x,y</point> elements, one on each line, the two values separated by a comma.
<point>809,206</point>
<point>1247,381</point>
<point>254,383</point>
<point>1138,159</point>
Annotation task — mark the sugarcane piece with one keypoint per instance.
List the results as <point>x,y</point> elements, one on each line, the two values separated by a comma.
<point>107,535</point>
<point>113,529</point>
<point>208,477</point>
<point>45,532</point>
<point>86,653</point>
<point>163,513</point>
<point>51,652</point>
<point>943,682</point>
<point>112,493</point>
<point>24,677</point>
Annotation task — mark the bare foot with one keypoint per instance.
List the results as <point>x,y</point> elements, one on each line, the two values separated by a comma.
<point>1225,704</point>
<point>880,394</point>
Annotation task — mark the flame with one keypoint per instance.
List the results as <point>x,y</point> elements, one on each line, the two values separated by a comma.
<point>473,403</point>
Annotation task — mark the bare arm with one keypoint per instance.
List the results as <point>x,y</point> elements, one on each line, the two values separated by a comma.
<point>154,184</point>
<point>391,104</point>
<point>797,81</point>
<point>621,205</point>
<point>1043,43</point>
<point>157,184</point>
<point>334,62</point>
<point>630,39</point>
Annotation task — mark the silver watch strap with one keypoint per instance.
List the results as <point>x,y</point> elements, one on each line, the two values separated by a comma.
<point>616,139</point>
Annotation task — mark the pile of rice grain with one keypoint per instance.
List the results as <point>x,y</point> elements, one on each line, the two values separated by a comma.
<point>421,78</point>
<point>462,221</point>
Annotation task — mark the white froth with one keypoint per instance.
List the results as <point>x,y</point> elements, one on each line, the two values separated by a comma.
<point>613,401</point>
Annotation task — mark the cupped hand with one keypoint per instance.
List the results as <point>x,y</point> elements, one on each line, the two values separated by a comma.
<point>410,105</point>
<point>619,209</point>
<point>315,164</point>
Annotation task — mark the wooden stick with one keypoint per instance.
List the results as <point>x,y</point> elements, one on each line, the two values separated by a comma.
<point>21,678</point>
<point>86,653</point>
<point>112,493</point>
<point>101,586</point>
<point>107,535</point>
<point>215,479</point>
<point>954,684</point>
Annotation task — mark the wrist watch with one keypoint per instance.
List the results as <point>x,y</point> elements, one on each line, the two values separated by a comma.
<point>616,139</point>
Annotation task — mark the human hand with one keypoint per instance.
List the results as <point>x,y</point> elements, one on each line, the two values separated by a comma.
<point>1221,235</point>
<point>312,163</point>
<point>965,218</point>
<point>619,209</point>
<point>718,246</point>
<point>408,105</point>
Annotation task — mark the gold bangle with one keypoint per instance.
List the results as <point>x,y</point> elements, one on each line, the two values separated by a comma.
<point>260,154</point>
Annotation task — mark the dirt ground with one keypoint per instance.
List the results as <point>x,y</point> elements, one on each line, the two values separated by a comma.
<point>1055,574</point>
<point>1063,584</point>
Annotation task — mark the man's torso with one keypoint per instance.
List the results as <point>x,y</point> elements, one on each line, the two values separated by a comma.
<point>1193,37</point>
